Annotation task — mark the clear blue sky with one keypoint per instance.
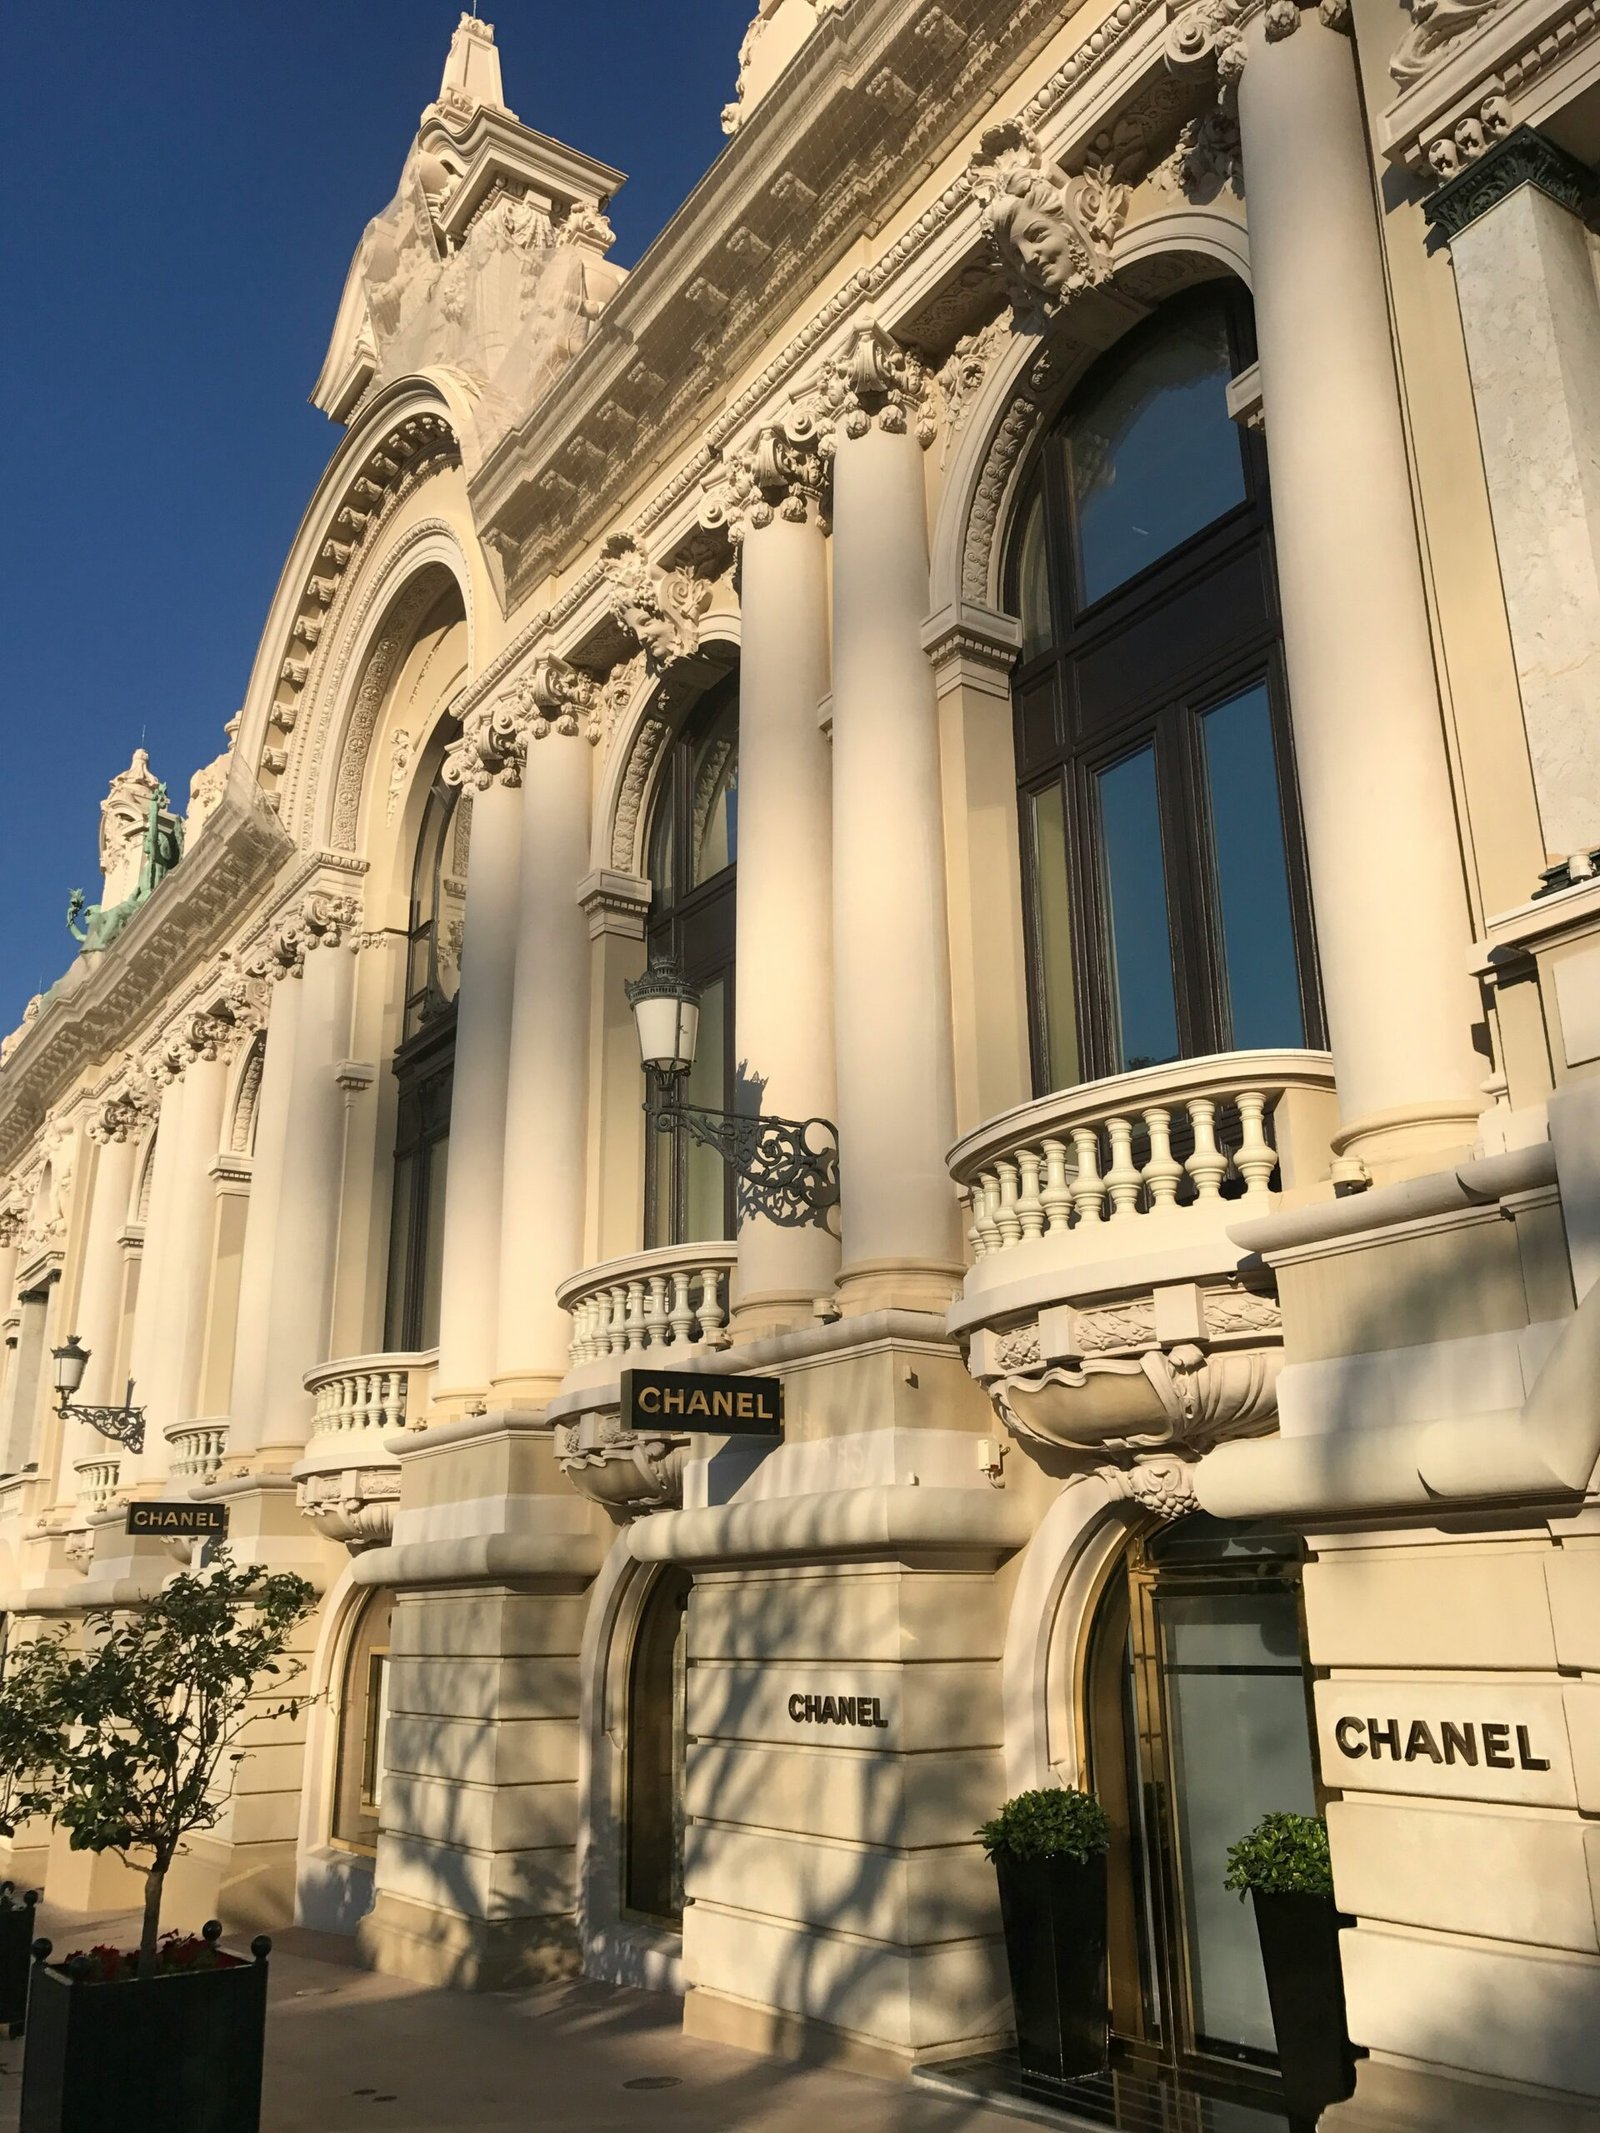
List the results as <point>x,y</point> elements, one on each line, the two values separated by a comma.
<point>188,185</point>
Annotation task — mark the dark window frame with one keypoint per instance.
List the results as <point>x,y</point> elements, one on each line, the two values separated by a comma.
<point>693,923</point>
<point>1231,652</point>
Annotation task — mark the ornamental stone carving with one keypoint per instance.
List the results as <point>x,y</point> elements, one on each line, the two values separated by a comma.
<point>777,478</point>
<point>556,698</point>
<point>660,608</point>
<point>1159,1484</point>
<point>354,1507</point>
<point>625,1471</point>
<point>874,384</point>
<point>489,750</point>
<point>321,921</point>
<point>1052,234</point>
<point>1206,33</point>
<point>1436,27</point>
<point>124,1115</point>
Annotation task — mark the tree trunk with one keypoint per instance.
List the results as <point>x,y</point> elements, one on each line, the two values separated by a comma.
<point>152,1918</point>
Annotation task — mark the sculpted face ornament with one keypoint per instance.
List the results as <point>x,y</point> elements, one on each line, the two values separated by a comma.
<point>1053,234</point>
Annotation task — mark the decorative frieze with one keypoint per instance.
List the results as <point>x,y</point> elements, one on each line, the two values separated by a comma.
<point>1496,169</point>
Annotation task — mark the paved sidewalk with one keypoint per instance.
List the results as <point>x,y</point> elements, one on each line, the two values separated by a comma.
<point>349,2052</point>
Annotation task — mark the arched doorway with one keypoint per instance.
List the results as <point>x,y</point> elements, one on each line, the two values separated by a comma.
<point>657,1730</point>
<point>1197,1722</point>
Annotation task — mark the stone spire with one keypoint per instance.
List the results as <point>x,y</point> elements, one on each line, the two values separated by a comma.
<point>472,71</point>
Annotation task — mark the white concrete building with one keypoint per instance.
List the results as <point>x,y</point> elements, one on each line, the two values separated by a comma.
<point>1065,591</point>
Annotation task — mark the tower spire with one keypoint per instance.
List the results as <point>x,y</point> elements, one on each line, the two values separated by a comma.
<point>472,71</point>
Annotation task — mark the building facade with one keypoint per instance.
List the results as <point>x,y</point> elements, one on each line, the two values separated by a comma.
<point>1064,594</point>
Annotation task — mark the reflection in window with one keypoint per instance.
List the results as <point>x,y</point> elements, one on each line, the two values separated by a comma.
<point>1134,884</point>
<point>1153,456</point>
<point>693,851</point>
<point>363,1728</point>
<point>1053,925</point>
<point>1251,870</point>
<point>1033,582</point>
<point>438,905</point>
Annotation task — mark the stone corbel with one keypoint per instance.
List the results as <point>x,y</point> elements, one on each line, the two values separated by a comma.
<point>615,903</point>
<point>626,1472</point>
<point>354,1506</point>
<point>659,608</point>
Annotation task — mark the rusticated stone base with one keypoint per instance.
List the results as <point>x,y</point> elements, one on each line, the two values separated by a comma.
<point>440,1948</point>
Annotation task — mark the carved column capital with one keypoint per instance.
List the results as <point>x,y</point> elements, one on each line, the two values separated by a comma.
<point>323,920</point>
<point>553,697</point>
<point>660,608</point>
<point>777,478</point>
<point>873,383</point>
<point>125,1113</point>
<point>489,749</point>
<point>1212,33</point>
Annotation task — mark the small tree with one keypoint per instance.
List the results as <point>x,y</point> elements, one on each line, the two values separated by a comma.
<point>159,1705</point>
<point>33,1730</point>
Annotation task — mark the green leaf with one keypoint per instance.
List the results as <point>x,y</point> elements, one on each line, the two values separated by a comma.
<point>1284,1855</point>
<point>1055,1822</point>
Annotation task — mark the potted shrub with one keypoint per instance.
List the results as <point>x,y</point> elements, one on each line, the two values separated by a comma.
<point>32,1740</point>
<point>1049,1853</point>
<point>1284,1868</point>
<point>168,2037</point>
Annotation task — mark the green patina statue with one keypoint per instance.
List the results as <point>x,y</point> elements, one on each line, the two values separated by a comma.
<point>161,851</point>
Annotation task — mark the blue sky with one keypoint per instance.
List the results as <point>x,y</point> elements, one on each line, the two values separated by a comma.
<point>188,185</point>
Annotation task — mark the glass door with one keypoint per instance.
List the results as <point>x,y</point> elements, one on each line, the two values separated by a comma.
<point>1198,1722</point>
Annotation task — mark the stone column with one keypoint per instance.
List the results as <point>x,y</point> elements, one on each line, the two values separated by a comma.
<point>291,1232</point>
<point>784,997</point>
<point>547,1085</point>
<point>176,1340</point>
<point>98,1321</point>
<point>1530,314</point>
<point>891,948</point>
<point>149,1357</point>
<point>1385,856</point>
<point>487,759</point>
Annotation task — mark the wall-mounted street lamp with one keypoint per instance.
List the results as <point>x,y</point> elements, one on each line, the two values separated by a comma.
<point>124,1424</point>
<point>787,1168</point>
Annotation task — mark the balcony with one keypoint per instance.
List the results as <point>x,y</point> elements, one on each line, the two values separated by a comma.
<point>348,1480</point>
<point>1104,1306</point>
<point>662,1306</point>
<point>97,1484</point>
<point>196,1450</point>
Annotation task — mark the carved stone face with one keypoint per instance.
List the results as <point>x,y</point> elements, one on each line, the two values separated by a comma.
<point>1041,246</point>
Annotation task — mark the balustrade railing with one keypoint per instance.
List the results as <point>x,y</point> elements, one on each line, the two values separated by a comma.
<point>671,1301</point>
<point>359,1398</point>
<point>197,1449</point>
<point>1194,1135</point>
<point>97,1483</point>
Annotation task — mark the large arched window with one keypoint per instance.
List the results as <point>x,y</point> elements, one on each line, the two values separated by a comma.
<point>657,1738</point>
<point>693,852</point>
<point>1168,913</point>
<point>424,1065</point>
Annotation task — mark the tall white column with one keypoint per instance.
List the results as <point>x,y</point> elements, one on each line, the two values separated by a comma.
<point>1381,835</point>
<point>784,1028</point>
<point>99,1315</point>
<point>275,1105</point>
<point>896,1105</point>
<point>148,1355</point>
<point>541,1228</point>
<point>469,1304</point>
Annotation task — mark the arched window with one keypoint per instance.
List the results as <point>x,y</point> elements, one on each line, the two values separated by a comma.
<point>363,1727</point>
<point>693,852</point>
<point>1168,913</point>
<point>424,1066</point>
<point>656,1746</point>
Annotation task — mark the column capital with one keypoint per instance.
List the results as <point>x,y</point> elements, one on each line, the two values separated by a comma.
<point>659,608</point>
<point>125,1113</point>
<point>778,477</point>
<point>615,903</point>
<point>1202,34</point>
<point>970,635</point>
<point>1523,157</point>
<point>322,920</point>
<point>872,383</point>
<point>488,750</point>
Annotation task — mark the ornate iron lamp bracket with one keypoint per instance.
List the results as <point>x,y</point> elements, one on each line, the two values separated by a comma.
<point>787,1169</point>
<point>123,1425</point>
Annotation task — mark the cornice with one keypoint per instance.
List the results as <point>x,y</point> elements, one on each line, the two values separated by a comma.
<point>1524,157</point>
<point>1491,68</point>
<point>866,108</point>
<point>104,1000</point>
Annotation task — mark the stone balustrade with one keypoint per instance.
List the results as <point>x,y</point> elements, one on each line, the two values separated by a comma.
<point>666,1304</point>
<point>197,1449</point>
<point>1192,1138</point>
<point>362,1397</point>
<point>97,1483</point>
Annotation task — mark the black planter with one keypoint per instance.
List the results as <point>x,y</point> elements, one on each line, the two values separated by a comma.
<point>1054,1913</point>
<point>1305,1985</point>
<point>16,1939</point>
<point>176,2054</point>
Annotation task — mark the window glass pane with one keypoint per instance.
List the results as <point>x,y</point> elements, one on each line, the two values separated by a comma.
<point>1154,457</point>
<point>715,790</point>
<point>400,1220</point>
<point>661,847</point>
<point>450,908</point>
<point>704,1209</point>
<point>432,1274</point>
<point>1240,1748</point>
<point>1053,957</point>
<point>1133,873</point>
<point>1251,875</point>
<point>1033,582</point>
